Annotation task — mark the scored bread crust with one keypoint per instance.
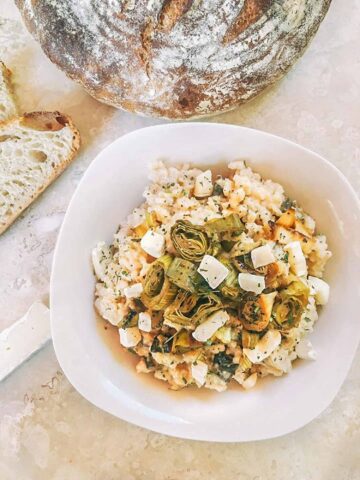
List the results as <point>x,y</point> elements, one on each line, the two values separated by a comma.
<point>44,122</point>
<point>8,106</point>
<point>174,58</point>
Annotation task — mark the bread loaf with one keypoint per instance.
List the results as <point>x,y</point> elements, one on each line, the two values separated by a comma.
<point>8,107</point>
<point>174,58</point>
<point>34,150</point>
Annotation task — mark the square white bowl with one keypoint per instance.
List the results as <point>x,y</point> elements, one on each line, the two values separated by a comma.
<point>110,189</point>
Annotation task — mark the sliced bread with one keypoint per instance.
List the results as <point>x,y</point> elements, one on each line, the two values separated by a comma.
<point>8,107</point>
<point>34,150</point>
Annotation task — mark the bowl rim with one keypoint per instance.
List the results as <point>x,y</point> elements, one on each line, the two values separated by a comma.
<point>143,421</point>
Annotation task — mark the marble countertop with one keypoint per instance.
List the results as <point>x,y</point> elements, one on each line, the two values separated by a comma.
<point>47,430</point>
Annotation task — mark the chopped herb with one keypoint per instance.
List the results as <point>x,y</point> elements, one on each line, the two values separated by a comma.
<point>286,205</point>
<point>164,347</point>
<point>218,190</point>
<point>130,320</point>
<point>149,362</point>
<point>225,362</point>
<point>285,257</point>
<point>155,346</point>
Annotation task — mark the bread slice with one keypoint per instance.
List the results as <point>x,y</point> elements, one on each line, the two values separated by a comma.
<point>8,107</point>
<point>34,150</point>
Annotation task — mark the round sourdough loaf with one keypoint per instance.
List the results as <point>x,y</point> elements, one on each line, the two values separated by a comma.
<point>174,58</point>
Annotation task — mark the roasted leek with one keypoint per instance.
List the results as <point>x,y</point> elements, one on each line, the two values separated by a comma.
<point>255,311</point>
<point>158,291</point>
<point>290,306</point>
<point>189,309</point>
<point>230,224</point>
<point>182,273</point>
<point>190,241</point>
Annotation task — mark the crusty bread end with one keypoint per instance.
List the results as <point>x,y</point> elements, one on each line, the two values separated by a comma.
<point>8,107</point>
<point>34,150</point>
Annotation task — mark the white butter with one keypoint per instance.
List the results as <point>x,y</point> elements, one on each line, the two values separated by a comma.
<point>262,256</point>
<point>265,347</point>
<point>133,291</point>
<point>153,243</point>
<point>144,322</point>
<point>320,289</point>
<point>203,184</point>
<point>212,270</point>
<point>297,260</point>
<point>207,329</point>
<point>251,283</point>
<point>199,372</point>
<point>129,337</point>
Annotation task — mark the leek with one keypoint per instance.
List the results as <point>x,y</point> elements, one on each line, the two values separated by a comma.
<point>230,224</point>
<point>189,309</point>
<point>291,304</point>
<point>158,291</point>
<point>191,241</point>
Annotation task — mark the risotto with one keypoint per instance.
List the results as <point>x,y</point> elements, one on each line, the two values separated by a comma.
<point>213,278</point>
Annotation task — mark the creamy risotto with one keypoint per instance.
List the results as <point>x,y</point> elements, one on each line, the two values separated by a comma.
<point>213,278</point>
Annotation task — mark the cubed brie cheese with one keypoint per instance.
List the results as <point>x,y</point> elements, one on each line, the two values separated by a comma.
<point>265,347</point>
<point>251,283</point>
<point>262,256</point>
<point>100,259</point>
<point>305,350</point>
<point>212,270</point>
<point>133,291</point>
<point>320,289</point>
<point>203,184</point>
<point>199,372</point>
<point>129,337</point>
<point>207,329</point>
<point>296,258</point>
<point>144,322</point>
<point>250,382</point>
<point>153,243</point>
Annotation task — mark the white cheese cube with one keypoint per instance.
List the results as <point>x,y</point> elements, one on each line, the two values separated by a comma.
<point>100,259</point>
<point>207,329</point>
<point>251,283</point>
<point>250,382</point>
<point>203,184</point>
<point>153,243</point>
<point>305,350</point>
<point>212,270</point>
<point>296,258</point>
<point>262,256</point>
<point>214,382</point>
<point>129,337</point>
<point>133,291</point>
<point>199,372</point>
<point>320,289</point>
<point>144,322</point>
<point>265,347</point>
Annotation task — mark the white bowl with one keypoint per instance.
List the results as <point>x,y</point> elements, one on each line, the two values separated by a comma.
<point>110,189</point>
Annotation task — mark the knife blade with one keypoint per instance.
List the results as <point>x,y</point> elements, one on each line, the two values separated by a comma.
<point>25,337</point>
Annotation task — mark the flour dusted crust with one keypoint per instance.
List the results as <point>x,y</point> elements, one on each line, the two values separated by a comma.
<point>174,58</point>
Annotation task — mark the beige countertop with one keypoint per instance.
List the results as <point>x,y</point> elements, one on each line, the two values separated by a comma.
<point>47,430</point>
